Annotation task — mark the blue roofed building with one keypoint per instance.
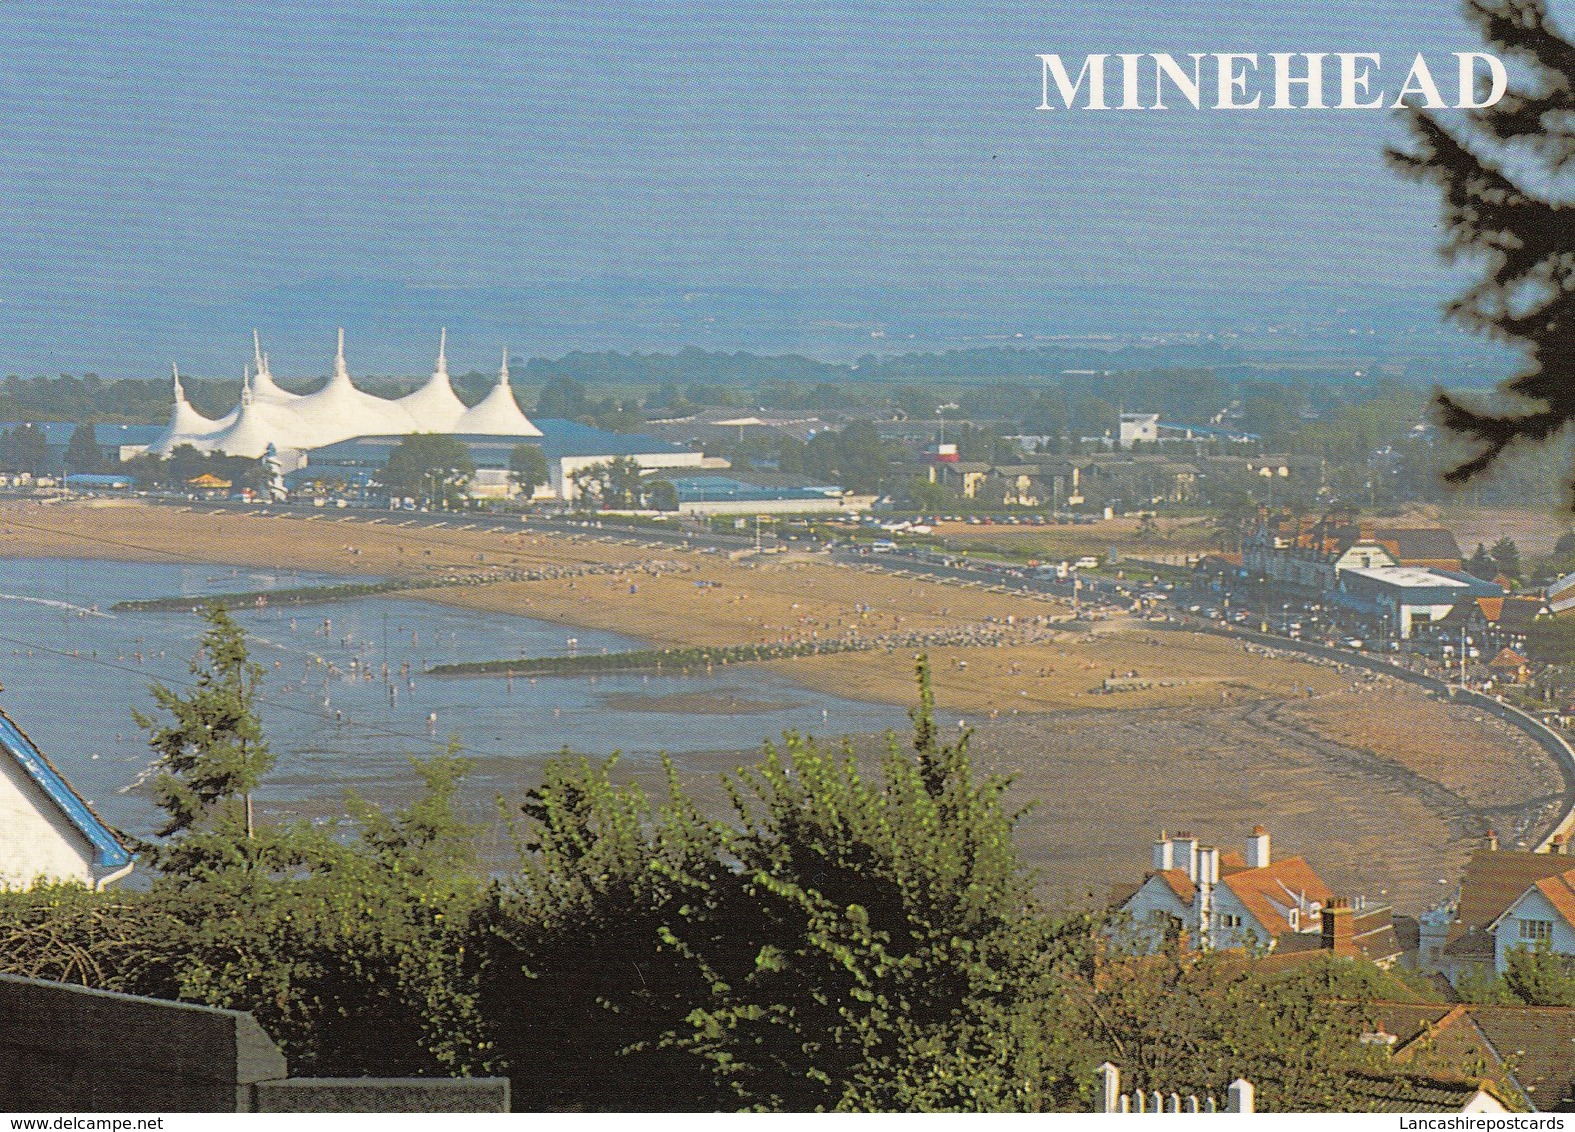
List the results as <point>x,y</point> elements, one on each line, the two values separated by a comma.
<point>749,493</point>
<point>47,831</point>
<point>568,447</point>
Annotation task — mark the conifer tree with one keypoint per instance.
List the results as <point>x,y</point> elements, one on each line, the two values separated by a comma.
<point>212,753</point>
<point>1494,169</point>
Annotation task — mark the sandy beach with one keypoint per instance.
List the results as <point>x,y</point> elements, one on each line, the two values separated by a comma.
<point>1381,786</point>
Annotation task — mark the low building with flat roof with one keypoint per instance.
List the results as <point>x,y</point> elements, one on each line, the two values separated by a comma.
<point>568,447</point>
<point>1399,600</point>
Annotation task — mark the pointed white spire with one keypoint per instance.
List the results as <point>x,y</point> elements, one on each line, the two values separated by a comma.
<point>341,370</point>
<point>497,414</point>
<point>257,355</point>
<point>246,385</point>
<point>186,424</point>
<point>434,407</point>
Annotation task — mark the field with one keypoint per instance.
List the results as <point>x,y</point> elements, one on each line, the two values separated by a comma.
<point>1380,786</point>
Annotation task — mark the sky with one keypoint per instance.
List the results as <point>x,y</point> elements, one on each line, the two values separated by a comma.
<point>567,175</point>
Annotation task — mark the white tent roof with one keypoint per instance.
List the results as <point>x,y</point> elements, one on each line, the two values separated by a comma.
<point>339,411</point>
<point>268,414</point>
<point>186,423</point>
<point>263,387</point>
<point>257,425</point>
<point>497,414</point>
<point>435,407</point>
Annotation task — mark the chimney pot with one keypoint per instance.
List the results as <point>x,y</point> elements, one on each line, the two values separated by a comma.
<point>1164,853</point>
<point>1492,841</point>
<point>1258,848</point>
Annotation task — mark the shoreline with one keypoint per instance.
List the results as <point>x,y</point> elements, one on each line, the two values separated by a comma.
<point>1221,737</point>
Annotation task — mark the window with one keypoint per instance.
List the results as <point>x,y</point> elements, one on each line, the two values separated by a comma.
<point>1536,929</point>
<point>1230,920</point>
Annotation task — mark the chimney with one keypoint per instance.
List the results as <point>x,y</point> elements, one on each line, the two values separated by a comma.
<point>1560,845</point>
<point>1339,926</point>
<point>1164,853</point>
<point>1258,848</point>
<point>1208,866</point>
<point>1492,841</point>
<point>1186,850</point>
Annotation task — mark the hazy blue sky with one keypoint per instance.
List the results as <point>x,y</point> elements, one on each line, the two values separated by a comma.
<point>172,175</point>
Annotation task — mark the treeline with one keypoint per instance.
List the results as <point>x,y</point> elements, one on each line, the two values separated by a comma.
<point>853,935</point>
<point>89,397</point>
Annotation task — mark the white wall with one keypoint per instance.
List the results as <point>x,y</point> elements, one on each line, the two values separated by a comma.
<point>561,472</point>
<point>36,839</point>
<point>1148,906</point>
<point>1531,906</point>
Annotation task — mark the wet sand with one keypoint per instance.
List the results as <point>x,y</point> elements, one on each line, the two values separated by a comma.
<point>1380,786</point>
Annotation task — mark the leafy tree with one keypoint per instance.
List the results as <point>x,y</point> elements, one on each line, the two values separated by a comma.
<point>577,934</point>
<point>1537,977</point>
<point>612,485</point>
<point>1506,558</point>
<point>82,452</point>
<point>23,449</point>
<point>847,942</point>
<point>1503,216</point>
<point>212,753</point>
<point>661,495</point>
<point>562,398</point>
<point>888,926</point>
<point>429,466</point>
<point>926,496</point>
<point>528,468</point>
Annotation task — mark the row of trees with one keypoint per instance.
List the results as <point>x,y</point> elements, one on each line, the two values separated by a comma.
<point>856,934</point>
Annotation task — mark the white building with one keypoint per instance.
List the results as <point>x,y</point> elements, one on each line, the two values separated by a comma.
<point>47,832</point>
<point>294,423</point>
<point>1508,899</point>
<point>1225,900</point>
<point>1138,428</point>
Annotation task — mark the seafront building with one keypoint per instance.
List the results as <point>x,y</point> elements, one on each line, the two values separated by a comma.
<point>340,430</point>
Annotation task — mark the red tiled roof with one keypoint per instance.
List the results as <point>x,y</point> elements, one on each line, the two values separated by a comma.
<point>1179,882</point>
<point>1281,882</point>
<point>1494,880</point>
<point>1560,891</point>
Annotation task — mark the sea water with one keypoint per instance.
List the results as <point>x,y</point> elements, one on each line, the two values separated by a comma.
<point>345,701</point>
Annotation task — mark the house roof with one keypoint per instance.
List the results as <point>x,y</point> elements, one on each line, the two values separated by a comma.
<point>1519,611</point>
<point>1265,892</point>
<point>1420,544</point>
<point>1530,1049</point>
<point>1507,658</point>
<point>1560,892</point>
<point>1414,1092</point>
<point>1494,880</point>
<point>1179,883</point>
<point>108,852</point>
